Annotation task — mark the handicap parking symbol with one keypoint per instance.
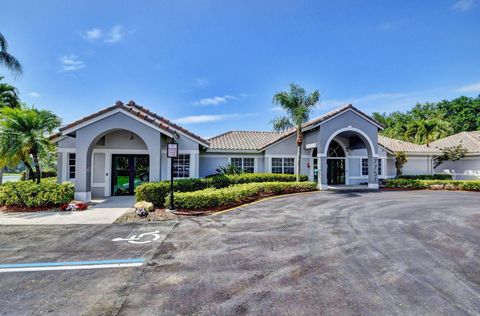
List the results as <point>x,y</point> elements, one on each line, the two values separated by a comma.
<point>143,238</point>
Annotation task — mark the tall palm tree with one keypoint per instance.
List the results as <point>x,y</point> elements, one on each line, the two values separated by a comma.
<point>298,106</point>
<point>7,59</point>
<point>26,131</point>
<point>8,95</point>
<point>425,131</point>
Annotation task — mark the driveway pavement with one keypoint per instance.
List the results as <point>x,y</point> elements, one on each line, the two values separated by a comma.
<point>101,212</point>
<point>350,253</point>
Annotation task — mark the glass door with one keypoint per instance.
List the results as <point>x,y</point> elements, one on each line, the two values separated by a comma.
<point>336,171</point>
<point>128,172</point>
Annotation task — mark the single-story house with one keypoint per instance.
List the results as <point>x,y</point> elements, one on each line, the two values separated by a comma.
<point>114,150</point>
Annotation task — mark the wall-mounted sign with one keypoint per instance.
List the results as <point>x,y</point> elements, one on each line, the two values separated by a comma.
<point>172,151</point>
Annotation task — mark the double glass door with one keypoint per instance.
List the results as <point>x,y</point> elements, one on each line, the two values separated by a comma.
<point>128,172</point>
<point>336,171</point>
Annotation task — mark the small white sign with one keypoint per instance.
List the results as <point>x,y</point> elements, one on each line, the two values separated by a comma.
<point>172,151</point>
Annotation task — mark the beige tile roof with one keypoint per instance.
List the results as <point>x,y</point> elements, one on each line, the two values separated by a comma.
<point>252,140</point>
<point>243,140</point>
<point>394,145</point>
<point>140,112</point>
<point>469,140</point>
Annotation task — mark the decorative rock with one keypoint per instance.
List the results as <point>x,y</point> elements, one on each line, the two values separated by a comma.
<point>147,206</point>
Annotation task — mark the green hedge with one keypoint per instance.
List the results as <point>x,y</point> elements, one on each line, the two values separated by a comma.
<point>156,192</point>
<point>29,194</point>
<point>235,194</point>
<point>439,176</point>
<point>45,174</point>
<point>468,185</point>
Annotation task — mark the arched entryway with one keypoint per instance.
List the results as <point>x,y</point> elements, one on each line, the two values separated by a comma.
<point>335,151</point>
<point>336,164</point>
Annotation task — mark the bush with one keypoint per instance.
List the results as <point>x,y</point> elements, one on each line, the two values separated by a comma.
<point>29,194</point>
<point>412,184</point>
<point>45,174</point>
<point>156,192</point>
<point>236,194</point>
<point>439,176</point>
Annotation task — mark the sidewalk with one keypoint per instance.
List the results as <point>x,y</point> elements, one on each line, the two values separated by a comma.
<point>101,212</point>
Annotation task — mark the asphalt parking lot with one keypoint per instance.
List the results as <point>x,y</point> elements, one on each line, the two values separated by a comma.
<point>388,253</point>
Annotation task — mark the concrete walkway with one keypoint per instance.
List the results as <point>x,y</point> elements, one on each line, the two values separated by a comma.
<point>101,212</point>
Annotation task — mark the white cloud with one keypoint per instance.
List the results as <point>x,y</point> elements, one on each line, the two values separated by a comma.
<point>214,100</point>
<point>34,94</point>
<point>201,82</point>
<point>464,5</point>
<point>93,34</point>
<point>196,119</point>
<point>115,34</point>
<point>71,63</point>
<point>470,88</point>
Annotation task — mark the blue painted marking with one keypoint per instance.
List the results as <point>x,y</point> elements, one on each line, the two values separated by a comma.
<point>71,263</point>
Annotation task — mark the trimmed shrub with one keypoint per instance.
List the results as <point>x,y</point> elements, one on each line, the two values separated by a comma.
<point>29,194</point>
<point>236,194</point>
<point>45,174</point>
<point>412,184</point>
<point>438,176</point>
<point>156,192</point>
<point>471,185</point>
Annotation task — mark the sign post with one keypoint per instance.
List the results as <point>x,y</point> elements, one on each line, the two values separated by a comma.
<point>172,152</point>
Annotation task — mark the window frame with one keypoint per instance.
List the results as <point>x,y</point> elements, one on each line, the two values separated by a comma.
<point>70,166</point>
<point>283,165</point>
<point>362,166</point>
<point>379,166</point>
<point>242,165</point>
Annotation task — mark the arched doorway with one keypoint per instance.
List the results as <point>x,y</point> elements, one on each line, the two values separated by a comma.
<point>336,163</point>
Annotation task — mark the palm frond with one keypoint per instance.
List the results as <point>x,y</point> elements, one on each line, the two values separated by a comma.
<point>281,124</point>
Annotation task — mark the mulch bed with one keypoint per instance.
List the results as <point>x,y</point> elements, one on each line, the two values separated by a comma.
<point>157,215</point>
<point>13,209</point>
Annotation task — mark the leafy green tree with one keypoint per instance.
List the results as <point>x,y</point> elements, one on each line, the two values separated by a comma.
<point>8,95</point>
<point>400,161</point>
<point>24,133</point>
<point>430,121</point>
<point>425,131</point>
<point>7,59</point>
<point>452,153</point>
<point>298,106</point>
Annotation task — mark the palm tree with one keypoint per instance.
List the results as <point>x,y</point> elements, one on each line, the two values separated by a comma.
<point>426,131</point>
<point>8,60</point>
<point>8,95</point>
<point>25,132</point>
<point>298,105</point>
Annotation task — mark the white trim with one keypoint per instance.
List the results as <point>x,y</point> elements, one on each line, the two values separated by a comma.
<point>184,151</point>
<point>373,186</point>
<point>255,162</point>
<point>121,151</point>
<point>228,156</point>
<point>110,113</point>
<point>233,151</point>
<point>98,185</point>
<point>310,146</point>
<point>192,173</point>
<point>283,157</point>
<point>66,150</point>
<point>345,111</point>
<point>352,129</point>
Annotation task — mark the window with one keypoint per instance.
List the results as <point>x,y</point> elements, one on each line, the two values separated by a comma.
<point>244,164</point>
<point>181,166</point>
<point>71,166</point>
<point>283,165</point>
<point>365,167</point>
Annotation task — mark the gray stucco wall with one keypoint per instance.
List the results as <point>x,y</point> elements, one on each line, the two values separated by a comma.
<point>463,169</point>
<point>87,137</point>
<point>67,142</point>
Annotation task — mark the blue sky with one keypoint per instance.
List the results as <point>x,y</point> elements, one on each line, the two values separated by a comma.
<point>213,66</point>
